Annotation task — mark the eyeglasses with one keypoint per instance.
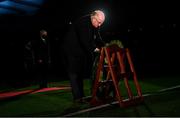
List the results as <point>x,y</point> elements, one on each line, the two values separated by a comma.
<point>99,22</point>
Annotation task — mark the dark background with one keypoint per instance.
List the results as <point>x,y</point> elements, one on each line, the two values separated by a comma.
<point>148,28</point>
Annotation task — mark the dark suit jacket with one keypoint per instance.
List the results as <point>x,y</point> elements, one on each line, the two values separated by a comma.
<point>42,51</point>
<point>79,44</point>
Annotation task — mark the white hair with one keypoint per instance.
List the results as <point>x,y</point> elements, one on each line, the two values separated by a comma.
<point>99,14</point>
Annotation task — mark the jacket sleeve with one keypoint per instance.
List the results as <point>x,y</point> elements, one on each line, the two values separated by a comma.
<point>85,36</point>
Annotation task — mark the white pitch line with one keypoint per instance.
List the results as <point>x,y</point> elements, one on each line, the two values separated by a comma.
<point>86,110</point>
<point>106,105</point>
<point>93,108</point>
<point>171,88</point>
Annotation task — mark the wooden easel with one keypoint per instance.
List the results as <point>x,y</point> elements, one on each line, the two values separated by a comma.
<point>115,58</point>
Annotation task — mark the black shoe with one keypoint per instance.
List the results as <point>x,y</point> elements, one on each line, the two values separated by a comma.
<point>41,87</point>
<point>79,100</point>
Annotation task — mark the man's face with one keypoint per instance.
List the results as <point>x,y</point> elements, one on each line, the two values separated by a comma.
<point>43,34</point>
<point>97,20</point>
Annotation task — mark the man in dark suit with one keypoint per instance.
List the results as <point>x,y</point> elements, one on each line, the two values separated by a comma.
<point>80,42</point>
<point>42,58</point>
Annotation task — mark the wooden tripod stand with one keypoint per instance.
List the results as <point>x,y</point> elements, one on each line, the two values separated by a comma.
<point>117,60</point>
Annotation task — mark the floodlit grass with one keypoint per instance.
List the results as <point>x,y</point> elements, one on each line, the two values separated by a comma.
<point>59,102</point>
<point>164,105</point>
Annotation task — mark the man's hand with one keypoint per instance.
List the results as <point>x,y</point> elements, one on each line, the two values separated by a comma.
<point>40,61</point>
<point>97,50</point>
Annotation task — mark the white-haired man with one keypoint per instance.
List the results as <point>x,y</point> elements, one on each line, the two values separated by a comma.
<point>80,42</point>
